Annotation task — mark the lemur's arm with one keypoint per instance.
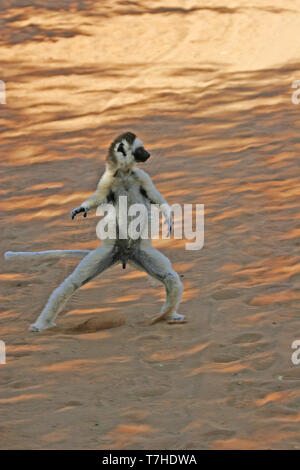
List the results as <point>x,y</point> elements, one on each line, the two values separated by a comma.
<point>98,197</point>
<point>154,196</point>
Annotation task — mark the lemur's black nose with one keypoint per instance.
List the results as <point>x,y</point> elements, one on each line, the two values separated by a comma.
<point>141,155</point>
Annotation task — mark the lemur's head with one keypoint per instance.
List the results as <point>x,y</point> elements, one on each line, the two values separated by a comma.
<point>125,151</point>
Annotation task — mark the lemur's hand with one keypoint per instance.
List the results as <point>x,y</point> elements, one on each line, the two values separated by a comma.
<point>79,209</point>
<point>168,217</point>
<point>169,222</point>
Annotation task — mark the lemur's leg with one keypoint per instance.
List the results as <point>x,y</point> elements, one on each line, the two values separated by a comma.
<point>93,264</point>
<point>159,267</point>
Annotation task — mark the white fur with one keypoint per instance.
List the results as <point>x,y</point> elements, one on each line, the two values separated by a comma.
<point>136,144</point>
<point>120,180</point>
<point>102,189</point>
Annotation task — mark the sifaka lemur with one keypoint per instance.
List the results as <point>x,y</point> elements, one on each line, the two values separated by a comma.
<point>121,178</point>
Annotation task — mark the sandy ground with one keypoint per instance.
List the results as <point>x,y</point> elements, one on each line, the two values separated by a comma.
<point>207,86</point>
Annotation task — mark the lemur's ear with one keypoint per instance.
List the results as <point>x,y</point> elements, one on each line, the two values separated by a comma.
<point>121,149</point>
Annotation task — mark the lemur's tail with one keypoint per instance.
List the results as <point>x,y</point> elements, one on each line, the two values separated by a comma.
<point>45,255</point>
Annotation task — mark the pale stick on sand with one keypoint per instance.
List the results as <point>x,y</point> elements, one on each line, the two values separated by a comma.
<point>43,255</point>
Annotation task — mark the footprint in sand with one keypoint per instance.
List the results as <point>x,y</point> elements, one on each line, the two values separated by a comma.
<point>266,362</point>
<point>246,346</point>
<point>218,434</point>
<point>68,406</point>
<point>104,321</point>
<point>150,337</point>
<point>246,400</point>
<point>17,354</point>
<point>245,385</point>
<point>153,391</point>
<point>226,294</point>
<point>73,403</point>
<point>247,338</point>
<point>226,357</point>
<point>20,384</point>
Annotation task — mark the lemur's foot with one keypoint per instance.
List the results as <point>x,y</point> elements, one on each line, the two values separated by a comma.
<point>38,327</point>
<point>176,318</point>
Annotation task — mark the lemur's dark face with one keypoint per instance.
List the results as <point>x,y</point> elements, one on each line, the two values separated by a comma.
<point>140,154</point>
<point>128,149</point>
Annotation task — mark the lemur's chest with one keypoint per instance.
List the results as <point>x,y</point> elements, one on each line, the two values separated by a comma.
<point>129,187</point>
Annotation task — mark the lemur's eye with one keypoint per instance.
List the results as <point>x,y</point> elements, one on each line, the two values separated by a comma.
<point>121,149</point>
